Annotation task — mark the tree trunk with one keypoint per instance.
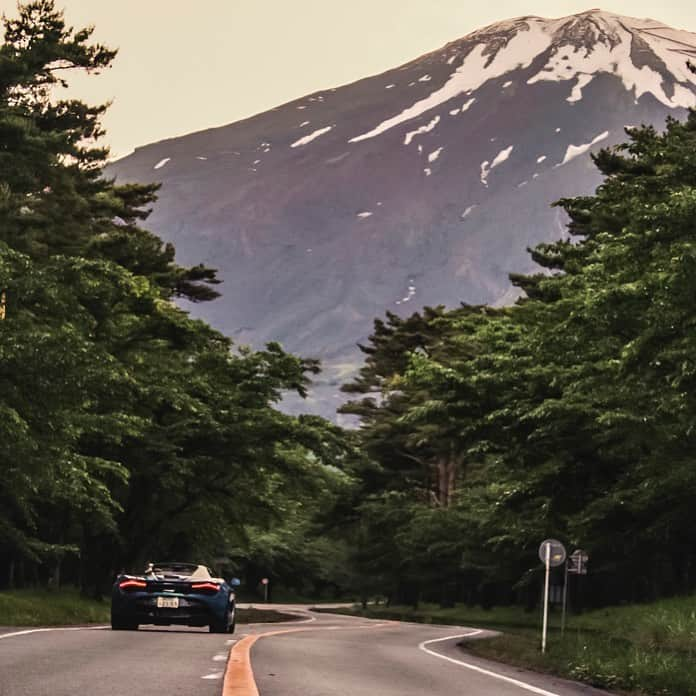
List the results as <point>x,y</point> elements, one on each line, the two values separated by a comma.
<point>446,470</point>
<point>55,576</point>
<point>442,482</point>
<point>452,471</point>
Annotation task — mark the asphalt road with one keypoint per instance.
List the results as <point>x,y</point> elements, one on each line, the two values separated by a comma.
<point>325,655</point>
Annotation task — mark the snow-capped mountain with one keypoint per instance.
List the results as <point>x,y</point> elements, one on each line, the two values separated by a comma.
<point>421,186</point>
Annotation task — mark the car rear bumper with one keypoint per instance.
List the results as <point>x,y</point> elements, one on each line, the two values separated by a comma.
<point>142,608</point>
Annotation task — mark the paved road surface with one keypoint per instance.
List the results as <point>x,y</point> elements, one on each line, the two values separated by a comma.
<point>323,656</point>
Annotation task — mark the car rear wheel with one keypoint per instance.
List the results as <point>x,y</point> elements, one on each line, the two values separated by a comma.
<point>218,626</point>
<point>225,625</point>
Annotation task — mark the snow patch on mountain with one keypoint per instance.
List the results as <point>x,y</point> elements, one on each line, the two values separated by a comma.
<point>683,96</point>
<point>312,136</point>
<point>502,156</point>
<point>487,166</point>
<point>671,46</point>
<point>409,295</point>
<point>477,69</point>
<point>432,157</point>
<point>569,62</point>
<point>574,151</point>
<point>576,92</point>
<point>578,48</point>
<point>420,131</point>
<point>593,43</point>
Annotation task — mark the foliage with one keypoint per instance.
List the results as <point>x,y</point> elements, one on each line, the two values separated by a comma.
<point>55,608</point>
<point>128,430</point>
<point>570,414</point>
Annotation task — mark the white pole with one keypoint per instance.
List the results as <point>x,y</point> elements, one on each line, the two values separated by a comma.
<point>565,599</point>
<point>546,598</point>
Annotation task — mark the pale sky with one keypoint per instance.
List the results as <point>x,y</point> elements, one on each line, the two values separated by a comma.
<point>186,67</point>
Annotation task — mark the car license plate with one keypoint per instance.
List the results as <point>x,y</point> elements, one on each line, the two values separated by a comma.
<point>167,602</point>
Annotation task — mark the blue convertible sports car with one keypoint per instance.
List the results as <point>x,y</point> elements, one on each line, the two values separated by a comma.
<point>173,593</point>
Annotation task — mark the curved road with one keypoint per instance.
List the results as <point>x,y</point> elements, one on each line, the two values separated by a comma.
<point>323,655</point>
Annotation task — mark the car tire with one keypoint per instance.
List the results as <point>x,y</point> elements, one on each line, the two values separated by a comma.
<point>218,626</point>
<point>224,626</point>
<point>233,625</point>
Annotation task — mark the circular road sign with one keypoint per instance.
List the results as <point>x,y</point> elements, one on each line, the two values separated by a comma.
<point>558,552</point>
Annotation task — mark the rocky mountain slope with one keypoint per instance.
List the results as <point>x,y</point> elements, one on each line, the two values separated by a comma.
<point>421,186</point>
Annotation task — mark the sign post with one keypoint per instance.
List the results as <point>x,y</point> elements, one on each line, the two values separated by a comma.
<point>565,598</point>
<point>264,582</point>
<point>552,554</point>
<point>576,565</point>
<point>547,563</point>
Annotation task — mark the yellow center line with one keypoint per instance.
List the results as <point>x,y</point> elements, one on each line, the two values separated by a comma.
<point>239,675</point>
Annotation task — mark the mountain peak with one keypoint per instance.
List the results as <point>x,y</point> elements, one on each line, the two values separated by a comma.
<point>647,56</point>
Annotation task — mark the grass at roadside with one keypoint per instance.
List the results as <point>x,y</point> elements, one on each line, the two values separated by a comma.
<point>55,608</point>
<point>66,607</point>
<point>500,617</point>
<point>647,649</point>
<point>260,615</point>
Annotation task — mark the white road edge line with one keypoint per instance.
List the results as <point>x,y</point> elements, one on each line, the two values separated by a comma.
<point>487,672</point>
<point>45,630</point>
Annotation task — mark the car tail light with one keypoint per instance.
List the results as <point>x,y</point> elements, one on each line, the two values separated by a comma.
<point>205,587</point>
<point>132,584</point>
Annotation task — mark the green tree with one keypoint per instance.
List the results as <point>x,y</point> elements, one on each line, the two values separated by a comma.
<point>127,429</point>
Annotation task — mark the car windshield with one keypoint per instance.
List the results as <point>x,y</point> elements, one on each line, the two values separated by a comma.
<point>171,568</point>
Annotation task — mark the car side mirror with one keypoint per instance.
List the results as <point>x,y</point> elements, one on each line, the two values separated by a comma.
<point>235,582</point>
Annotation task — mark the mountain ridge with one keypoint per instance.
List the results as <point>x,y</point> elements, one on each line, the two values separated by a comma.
<point>424,184</point>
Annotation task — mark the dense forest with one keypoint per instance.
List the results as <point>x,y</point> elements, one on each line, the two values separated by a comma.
<point>571,414</point>
<point>129,430</point>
